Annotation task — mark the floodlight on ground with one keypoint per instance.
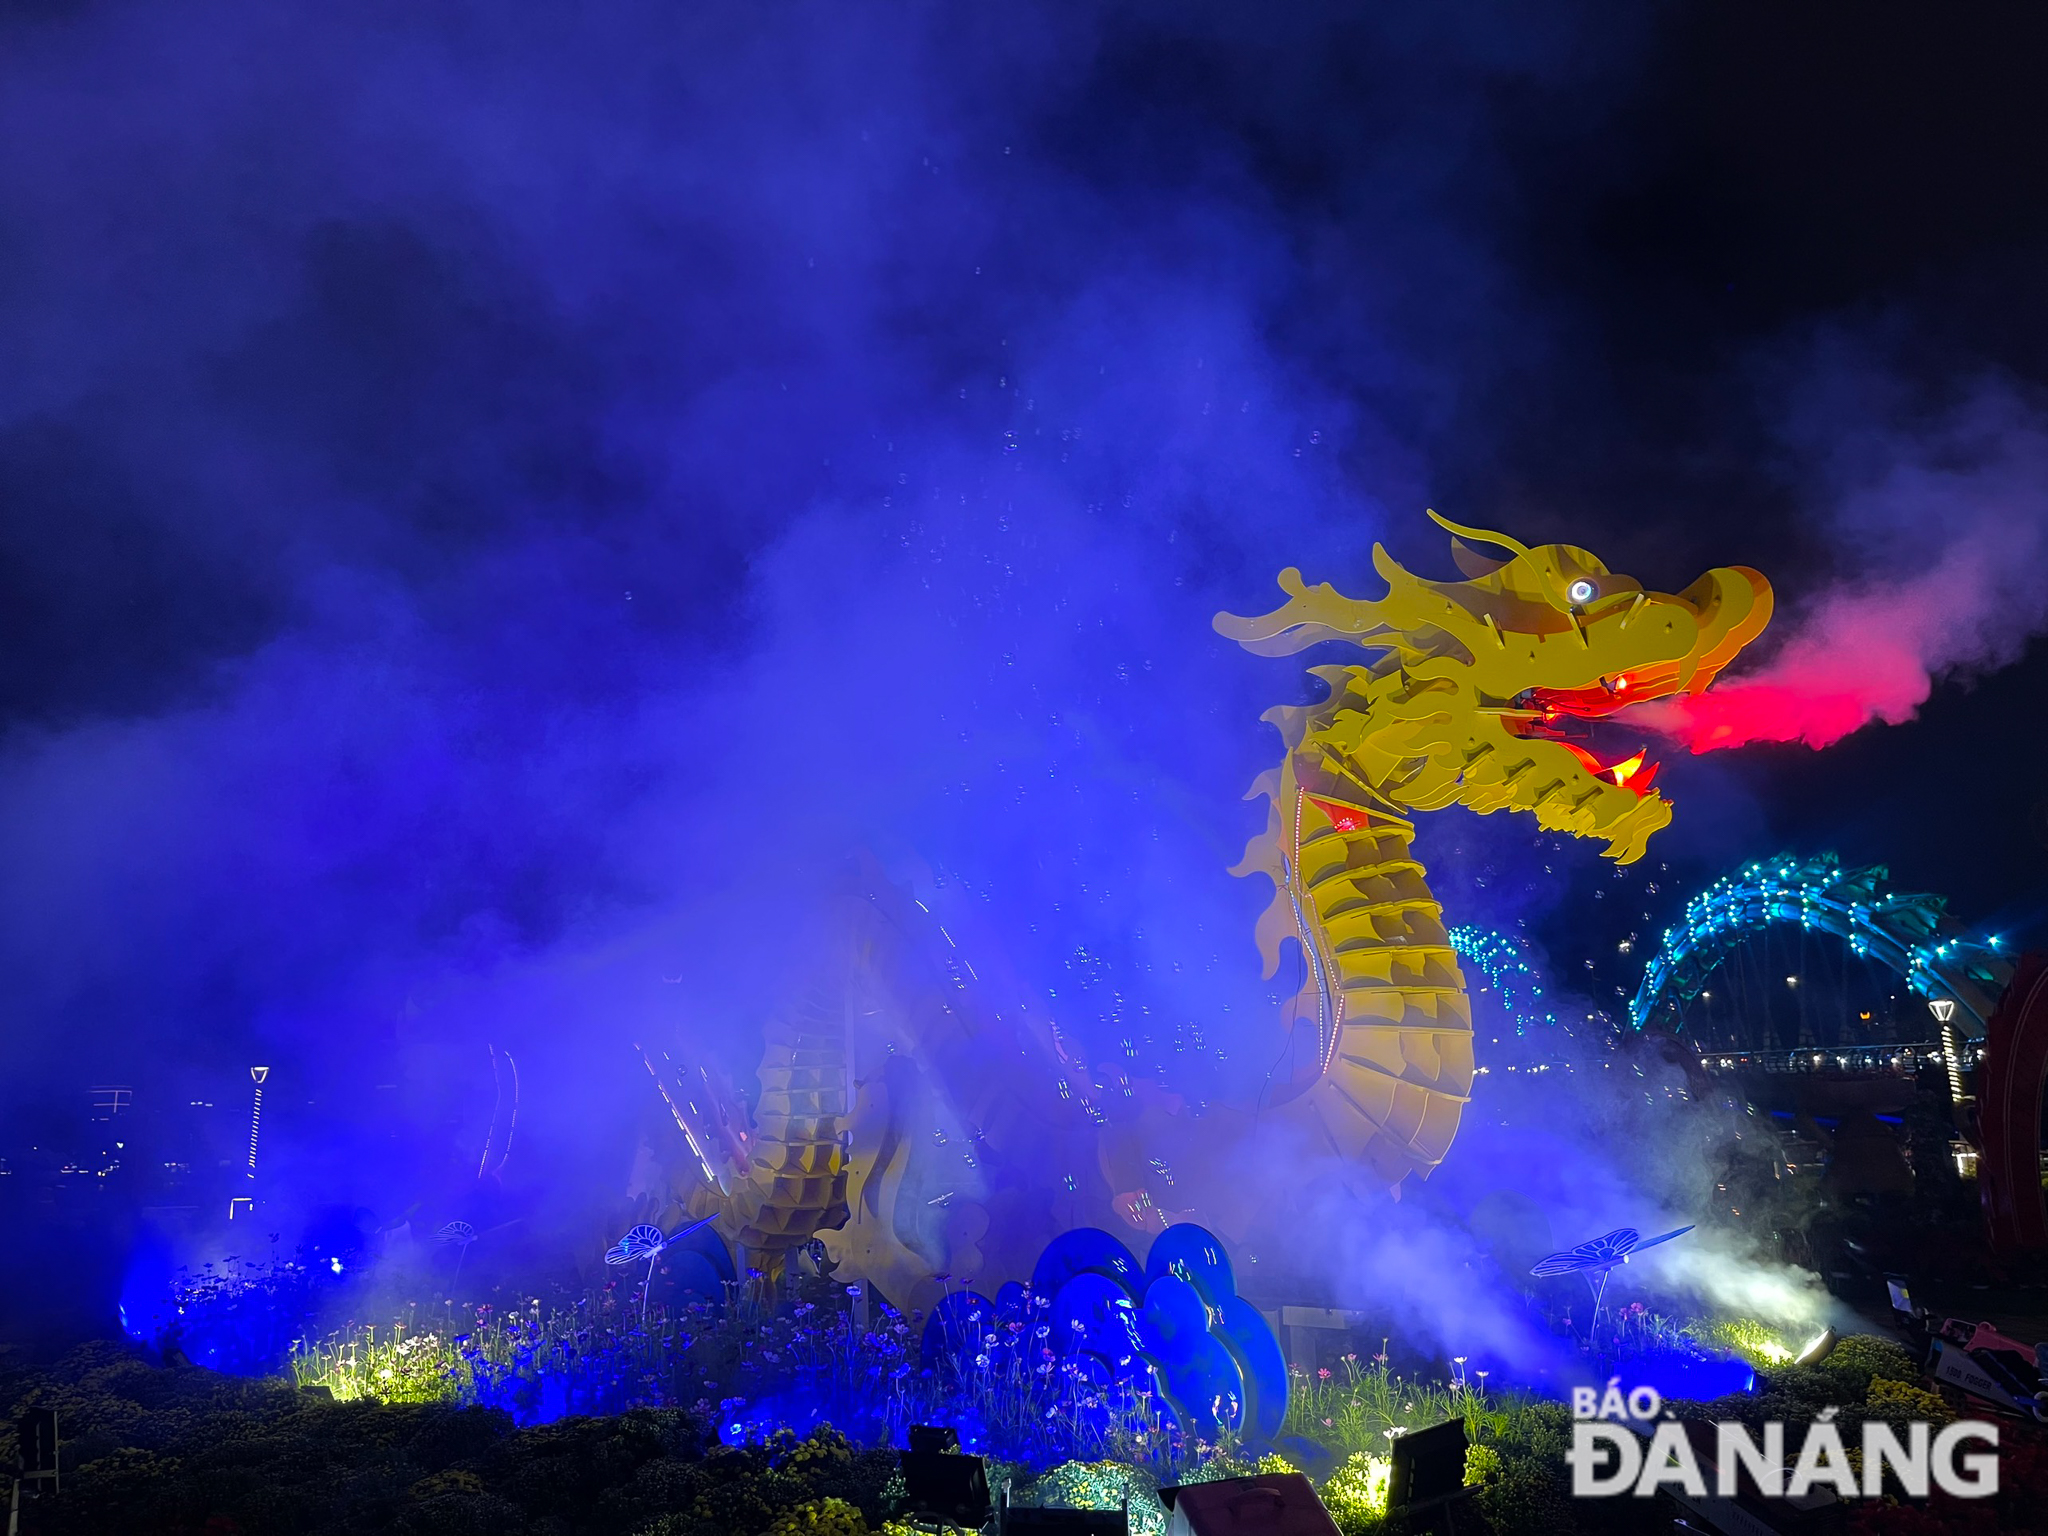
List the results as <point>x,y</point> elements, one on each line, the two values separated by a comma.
<point>1429,1464</point>
<point>1817,1348</point>
<point>935,1439</point>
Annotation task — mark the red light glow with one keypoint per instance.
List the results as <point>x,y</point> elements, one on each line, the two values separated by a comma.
<point>1871,652</point>
<point>1343,817</point>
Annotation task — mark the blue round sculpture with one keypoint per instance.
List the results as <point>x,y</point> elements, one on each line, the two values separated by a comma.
<point>1196,1255</point>
<point>1087,1250</point>
<point>1244,1332</point>
<point>1013,1304</point>
<point>710,1247</point>
<point>1196,1374</point>
<point>1091,1316</point>
<point>690,1273</point>
<point>1177,1320</point>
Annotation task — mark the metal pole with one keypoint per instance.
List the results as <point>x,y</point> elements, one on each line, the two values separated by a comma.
<point>256,1076</point>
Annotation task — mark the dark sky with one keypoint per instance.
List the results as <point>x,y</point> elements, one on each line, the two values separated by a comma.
<point>488,487</point>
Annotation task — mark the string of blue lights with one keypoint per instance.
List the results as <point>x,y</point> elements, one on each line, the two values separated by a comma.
<point>1912,933</point>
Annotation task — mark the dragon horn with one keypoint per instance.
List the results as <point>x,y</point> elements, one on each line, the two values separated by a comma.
<point>1310,615</point>
<point>1477,535</point>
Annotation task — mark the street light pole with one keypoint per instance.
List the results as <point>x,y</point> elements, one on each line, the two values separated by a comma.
<point>256,1076</point>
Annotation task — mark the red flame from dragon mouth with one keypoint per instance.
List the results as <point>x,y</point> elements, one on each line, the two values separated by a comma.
<point>1554,717</point>
<point>1626,772</point>
<point>1635,773</point>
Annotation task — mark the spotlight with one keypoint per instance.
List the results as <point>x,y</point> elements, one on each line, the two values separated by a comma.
<point>1429,1465</point>
<point>1817,1349</point>
<point>1276,1504</point>
<point>940,1484</point>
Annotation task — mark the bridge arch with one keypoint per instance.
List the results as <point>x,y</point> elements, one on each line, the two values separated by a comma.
<point>1910,933</point>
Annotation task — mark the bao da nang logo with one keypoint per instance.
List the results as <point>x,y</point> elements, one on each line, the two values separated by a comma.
<point>1621,1446</point>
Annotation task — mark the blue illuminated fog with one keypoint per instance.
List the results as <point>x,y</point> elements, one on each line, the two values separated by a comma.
<point>503,512</point>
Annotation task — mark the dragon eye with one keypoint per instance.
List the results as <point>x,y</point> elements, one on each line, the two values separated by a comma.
<point>1582,591</point>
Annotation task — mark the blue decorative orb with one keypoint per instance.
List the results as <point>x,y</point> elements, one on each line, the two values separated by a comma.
<point>1244,1332</point>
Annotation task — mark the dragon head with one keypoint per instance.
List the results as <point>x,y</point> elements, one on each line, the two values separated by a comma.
<point>1487,692</point>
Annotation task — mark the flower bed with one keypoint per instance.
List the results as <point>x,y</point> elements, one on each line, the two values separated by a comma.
<point>154,1450</point>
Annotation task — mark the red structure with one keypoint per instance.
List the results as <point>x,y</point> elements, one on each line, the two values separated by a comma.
<point>2009,1092</point>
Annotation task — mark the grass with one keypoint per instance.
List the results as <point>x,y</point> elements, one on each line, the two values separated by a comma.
<point>1362,1406</point>
<point>1753,1341</point>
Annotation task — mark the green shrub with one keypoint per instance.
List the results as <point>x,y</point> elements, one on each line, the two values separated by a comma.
<point>1356,1494</point>
<point>1098,1485</point>
<point>1525,1485</point>
<point>1481,1462</point>
<point>153,1451</point>
<point>1900,1402</point>
<point>1857,1359</point>
<point>820,1517</point>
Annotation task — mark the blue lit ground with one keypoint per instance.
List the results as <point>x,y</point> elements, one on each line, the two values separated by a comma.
<point>758,1360</point>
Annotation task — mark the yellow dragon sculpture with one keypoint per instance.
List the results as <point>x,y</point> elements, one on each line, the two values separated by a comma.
<point>1474,693</point>
<point>1470,697</point>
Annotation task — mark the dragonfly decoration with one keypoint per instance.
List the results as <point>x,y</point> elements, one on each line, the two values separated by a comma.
<point>646,1241</point>
<point>1600,1257</point>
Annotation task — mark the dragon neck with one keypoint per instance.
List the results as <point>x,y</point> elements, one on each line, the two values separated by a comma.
<point>1393,1023</point>
<point>1372,928</point>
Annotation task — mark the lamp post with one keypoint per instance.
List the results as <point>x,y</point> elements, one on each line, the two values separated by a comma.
<point>256,1075</point>
<point>1960,1103</point>
<point>1944,1011</point>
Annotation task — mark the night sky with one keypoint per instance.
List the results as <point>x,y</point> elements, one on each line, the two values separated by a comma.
<point>493,499</point>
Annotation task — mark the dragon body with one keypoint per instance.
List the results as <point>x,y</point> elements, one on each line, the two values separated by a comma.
<point>917,1132</point>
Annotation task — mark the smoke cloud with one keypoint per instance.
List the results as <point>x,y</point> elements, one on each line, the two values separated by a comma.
<point>496,515</point>
<point>1944,533</point>
<point>498,507</point>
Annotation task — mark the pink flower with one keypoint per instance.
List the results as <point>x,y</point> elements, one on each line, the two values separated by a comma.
<point>1324,1373</point>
